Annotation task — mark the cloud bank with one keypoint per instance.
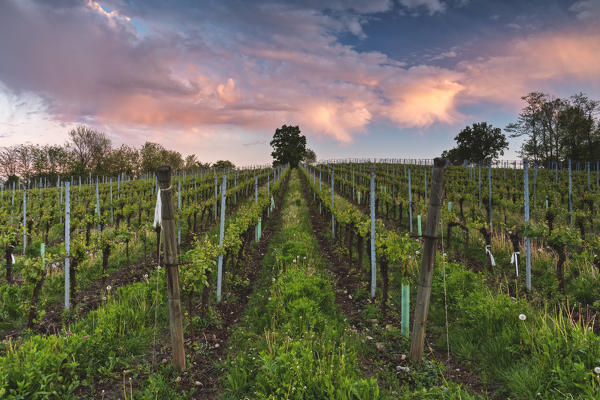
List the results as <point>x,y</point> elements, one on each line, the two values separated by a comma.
<point>148,65</point>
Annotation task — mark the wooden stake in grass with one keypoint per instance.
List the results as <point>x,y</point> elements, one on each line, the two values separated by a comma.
<point>172,271</point>
<point>426,276</point>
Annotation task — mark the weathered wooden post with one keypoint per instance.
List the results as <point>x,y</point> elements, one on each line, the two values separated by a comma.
<point>426,275</point>
<point>170,260</point>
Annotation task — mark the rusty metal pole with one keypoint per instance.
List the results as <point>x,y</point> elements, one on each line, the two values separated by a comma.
<point>417,340</point>
<point>170,260</point>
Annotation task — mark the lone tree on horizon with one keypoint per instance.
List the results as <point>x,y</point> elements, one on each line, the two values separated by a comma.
<point>481,143</point>
<point>289,146</point>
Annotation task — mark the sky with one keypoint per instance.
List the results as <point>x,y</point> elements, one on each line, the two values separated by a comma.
<point>362,79</point>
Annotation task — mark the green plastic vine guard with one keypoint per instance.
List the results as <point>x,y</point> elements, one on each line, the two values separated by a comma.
<point>259,229</point>
<point>405,310</point>
<point>419,231</point>
<point>449,206</point>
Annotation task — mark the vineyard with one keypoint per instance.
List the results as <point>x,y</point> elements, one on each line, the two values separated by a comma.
<point>350,279</point>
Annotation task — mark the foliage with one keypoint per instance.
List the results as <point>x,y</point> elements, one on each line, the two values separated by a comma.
<point>558,129</point>
<point>223,165</point>
<point>289,146</point>
<point>310,157</point>
<point>481,143</point>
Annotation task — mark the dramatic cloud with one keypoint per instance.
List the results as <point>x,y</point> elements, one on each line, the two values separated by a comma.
<point>144,66</point>
<point>538,62</point>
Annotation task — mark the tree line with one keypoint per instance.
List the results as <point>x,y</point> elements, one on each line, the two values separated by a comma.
<point>88,151</point>
<point>553,130</point>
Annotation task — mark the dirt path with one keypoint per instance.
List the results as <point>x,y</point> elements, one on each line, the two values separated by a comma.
<point>348,279</point>
<point>202,372</point>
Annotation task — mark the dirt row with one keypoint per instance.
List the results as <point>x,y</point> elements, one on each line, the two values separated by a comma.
<point>348,279</point>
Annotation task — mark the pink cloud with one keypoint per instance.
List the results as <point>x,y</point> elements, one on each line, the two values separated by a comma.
<point>532,63</point>
<point>89,64</point>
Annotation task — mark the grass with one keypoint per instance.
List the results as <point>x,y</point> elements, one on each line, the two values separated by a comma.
<point>294,343</point>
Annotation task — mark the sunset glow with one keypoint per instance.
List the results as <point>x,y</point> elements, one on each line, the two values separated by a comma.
<point>139,69</point>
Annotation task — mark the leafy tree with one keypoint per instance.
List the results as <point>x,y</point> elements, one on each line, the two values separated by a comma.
<point>310,156</point>
<point>89,148</point>
<point>154,155</point>
<point>289,146</point>
<point>480,143</point>
<point>124,159</point>
<point>223,164</point>
<point>558,129</point>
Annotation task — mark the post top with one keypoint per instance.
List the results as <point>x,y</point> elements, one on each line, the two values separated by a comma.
<point>439,162</point>
<point>163,175</point>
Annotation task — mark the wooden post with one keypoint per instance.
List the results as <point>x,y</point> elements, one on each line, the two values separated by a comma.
<point>426,276</point>
<point>170,261</point>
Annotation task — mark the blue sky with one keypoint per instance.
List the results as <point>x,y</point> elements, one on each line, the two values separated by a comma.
<point>383,78</point>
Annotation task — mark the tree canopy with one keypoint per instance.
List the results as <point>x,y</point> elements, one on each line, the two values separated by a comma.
<point>289,146</point>
<point>88,151</point>
<point>558,129</point>
<point>480,143</point>
<point>310,156</point>
<point>223,165</point>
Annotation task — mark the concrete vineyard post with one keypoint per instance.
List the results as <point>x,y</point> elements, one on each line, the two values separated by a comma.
<point>535,173</point>
<point>588,174</point>
<point>12,204</point>
<point>410,225</point>
<point>425,177</point>
<point>570,194</point>
<point>426,274</point>
<point>98,207</point>
<point>67,245</point>
<point>111,203</point>
<point>526,207</point>
<point>373,261</point>
<point>24,219</point>
<point>172,271</point>
<point>256,228</point>
<point>221,237</point>
<point>490,193</point>
<point>332,204</point>
<point>179,209</point>
<point>479,187</point>
<point>353,189</point>
<point>60,190</point>
<point>216,194</point>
